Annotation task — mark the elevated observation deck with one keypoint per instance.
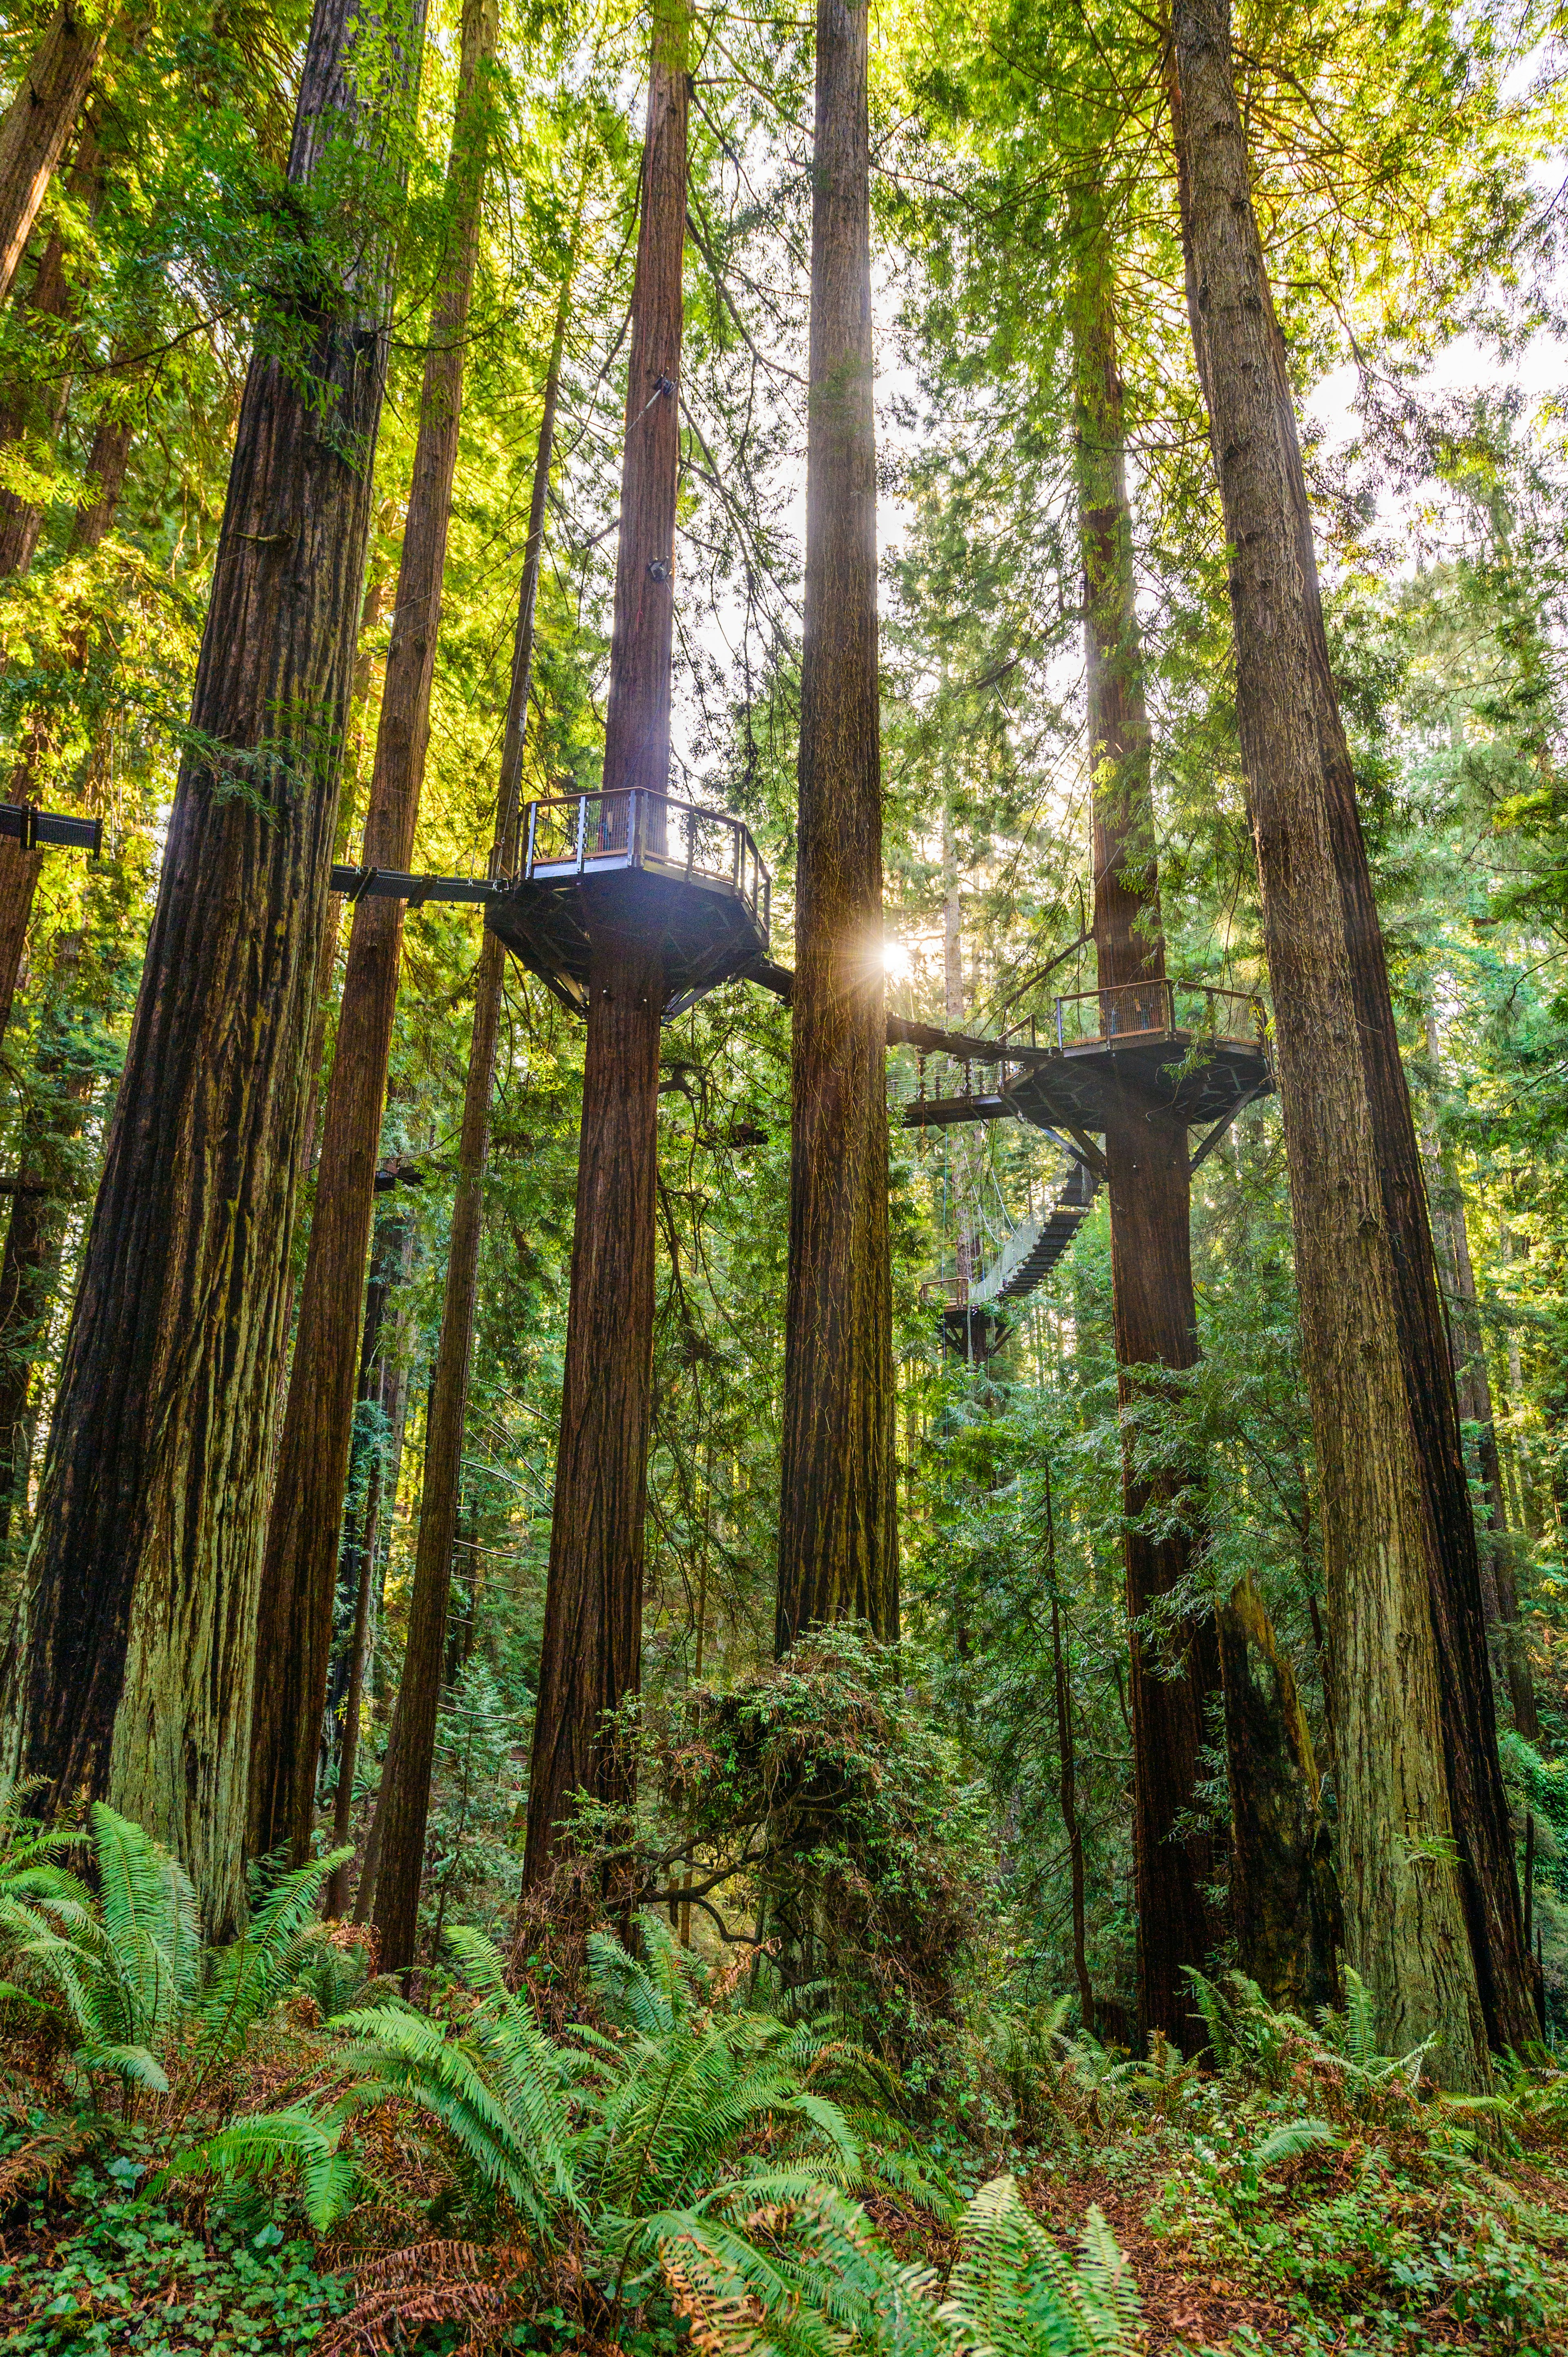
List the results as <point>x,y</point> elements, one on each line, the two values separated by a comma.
<point>1187,1052</point>
<point>640,864</point>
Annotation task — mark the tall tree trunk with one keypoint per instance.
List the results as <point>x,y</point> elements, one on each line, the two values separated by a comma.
<point>38,123</point>
<point>592,1651</point>
<point>128,1672</point>
<point>1173,1679</point>
<point>1499,1590</point>
<point>838,1532</point>
<point>37,407</point>
<point>1067,1780</point>
<point>20,868</point>
<point>1274,1816</point>
<point>293,1631</point>
<point>381,1379</point>
<point>956,1009</point>
<point>403,1810</point>
<point>1427,1875</point>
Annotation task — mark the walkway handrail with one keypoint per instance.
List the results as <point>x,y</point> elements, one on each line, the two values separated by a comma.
<point>632,828</point>
<point>1125,1010</point>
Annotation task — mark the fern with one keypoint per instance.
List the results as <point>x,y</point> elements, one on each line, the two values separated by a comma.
<point>128,1970</point>
<point>295,2144</point>
<point>249,1976</point>
<point>779,2264</point>
<point>1013,2293</point>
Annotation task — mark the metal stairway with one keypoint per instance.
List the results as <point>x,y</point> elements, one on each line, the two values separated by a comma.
<point>1035,1246</point>
<point>972,1325</point>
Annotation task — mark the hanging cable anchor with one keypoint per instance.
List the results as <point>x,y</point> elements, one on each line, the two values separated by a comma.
<point>663,386</point>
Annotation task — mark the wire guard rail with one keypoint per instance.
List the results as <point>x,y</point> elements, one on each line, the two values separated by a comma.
<point>1127,1010</point>
<point>634,828</point>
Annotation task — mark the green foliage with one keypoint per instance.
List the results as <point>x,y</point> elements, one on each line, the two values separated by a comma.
<point>98,2269</point>
<point>127,1968</point>
<point>824,1783</point>
<point>819,2280</point>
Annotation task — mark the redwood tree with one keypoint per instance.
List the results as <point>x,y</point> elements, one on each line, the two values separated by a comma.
<point>293,1630</point>
<point>592,1653</point>
<point>1430,1900</point>
<point>39,121</point>
<point>128,1672</point>
<point>1175,1676</point>
<point>1223,1667</point>
<point>838,1541</point>
<point>405,1797</point>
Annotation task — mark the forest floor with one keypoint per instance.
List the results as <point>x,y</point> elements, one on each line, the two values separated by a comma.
<point>1343,2255</point>
<point>1351,2253</point>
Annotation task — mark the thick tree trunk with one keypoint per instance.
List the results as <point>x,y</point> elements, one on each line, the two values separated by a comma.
<point>1426,1870</point>
<point>1175,1678</point>
<point>1284,1906</point>
<point>129,1673</point>
<point>592,1609</point>
<point>36,406</point>
<point>403,1810</point>
<point>37,124</point>
<point>294,1633</point>
<point>592,1651</point>
<point>838,1535</point>
<point>1273,1808</point>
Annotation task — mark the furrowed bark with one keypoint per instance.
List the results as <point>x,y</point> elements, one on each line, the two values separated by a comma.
<point>1285,1904</point>
<point>838,1539</point>
<point>37,124</point>
<point>1175,1675</point>
<point>405,1802</point>
<point>592,1651</point>
<point>129,1670</point>
<point>293,1633</point>
<point>592,1608</point>
<point>1427,1879</point>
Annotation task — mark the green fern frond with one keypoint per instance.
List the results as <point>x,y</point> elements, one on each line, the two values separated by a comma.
<point>132,2064</point>
<point>249,1976</point>
<point>1297,2137</point>
<point>266,2147</point>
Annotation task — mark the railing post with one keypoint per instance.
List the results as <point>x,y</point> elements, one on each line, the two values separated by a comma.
<point>1061,1043</point>
<point>533,824</point>
<point>582,830</point>
<point>632,819</point>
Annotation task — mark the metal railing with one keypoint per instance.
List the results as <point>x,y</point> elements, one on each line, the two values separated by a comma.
<point>634,828</point>
<point>1129,1010</point>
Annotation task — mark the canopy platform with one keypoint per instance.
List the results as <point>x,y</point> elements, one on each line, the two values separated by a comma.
<point>1188,1051</point>
<point>641,864</point>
